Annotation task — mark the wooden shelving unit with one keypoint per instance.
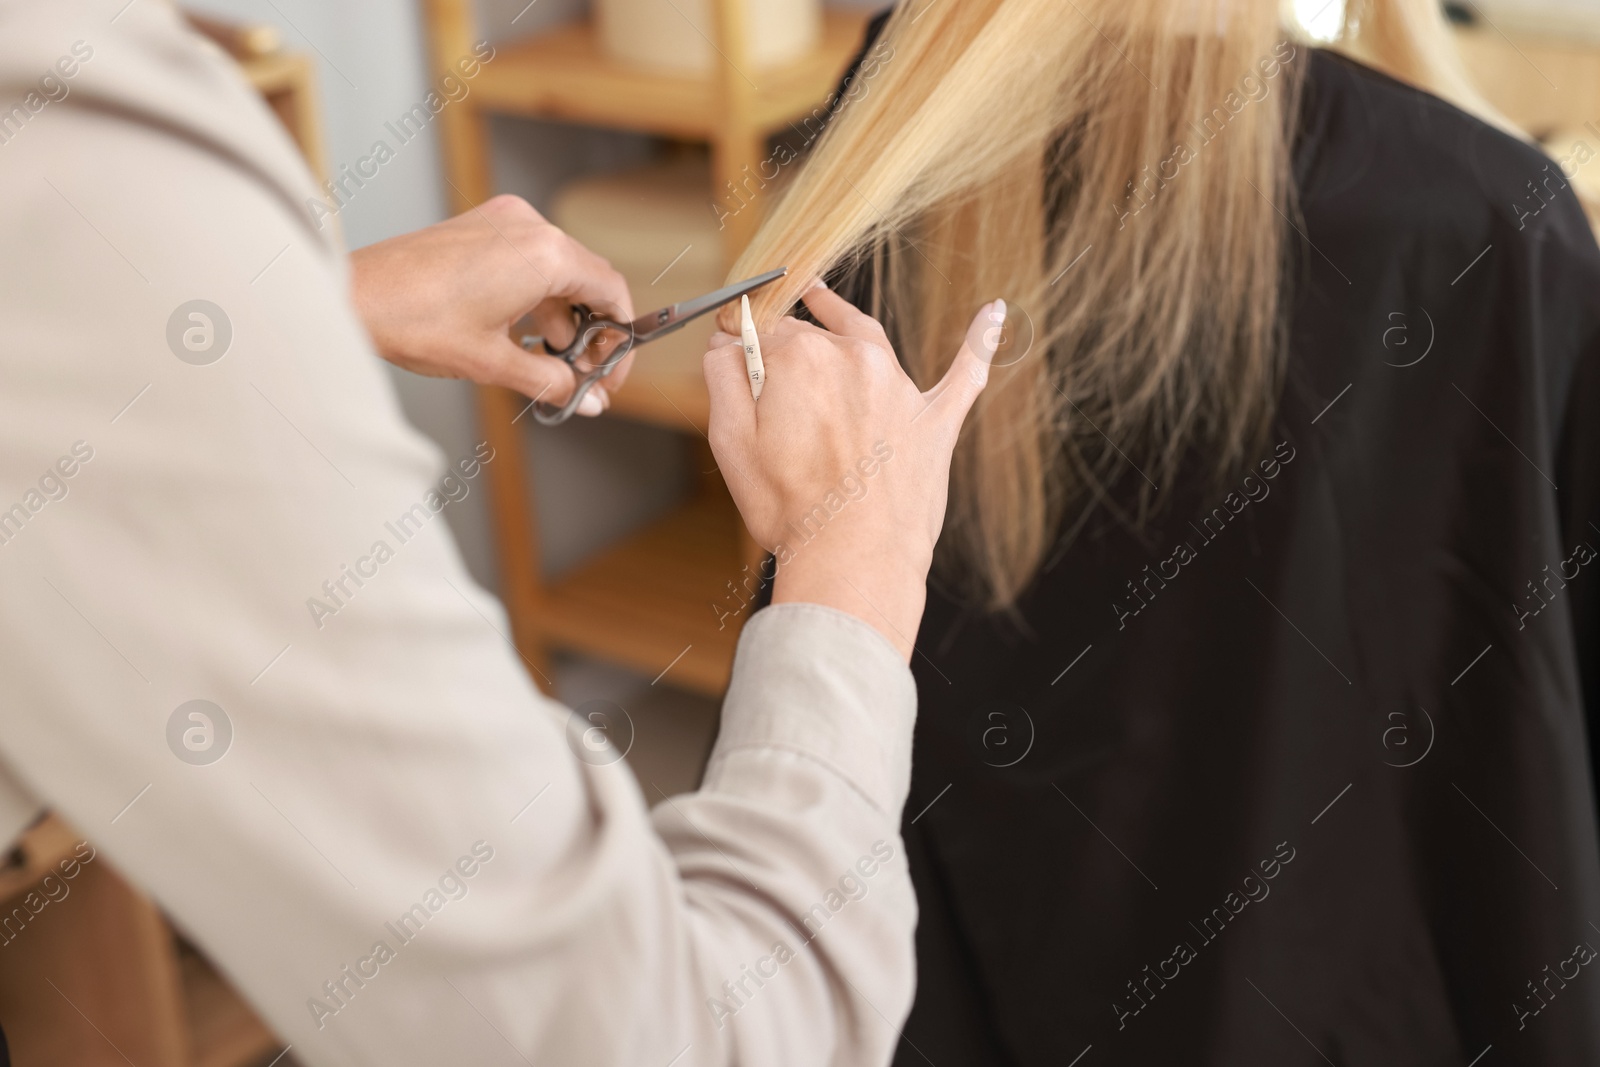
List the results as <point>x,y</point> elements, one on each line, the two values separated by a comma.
<point>287,81</point>
<point>566,74</point>
<point>154,1001</point>
<point>683,560</point>
<point>639,603</point>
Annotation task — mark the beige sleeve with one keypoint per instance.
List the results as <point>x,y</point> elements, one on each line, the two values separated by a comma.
<point>403,854</point>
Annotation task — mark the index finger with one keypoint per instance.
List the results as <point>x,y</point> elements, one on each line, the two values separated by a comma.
<point>840,316</point>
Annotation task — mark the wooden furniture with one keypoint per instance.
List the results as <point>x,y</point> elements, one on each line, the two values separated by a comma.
<point>649,599</point>
<point>286,80</point>
<point>92,975</point>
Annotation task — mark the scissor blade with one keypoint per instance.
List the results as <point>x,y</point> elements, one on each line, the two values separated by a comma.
<point>649,327</point>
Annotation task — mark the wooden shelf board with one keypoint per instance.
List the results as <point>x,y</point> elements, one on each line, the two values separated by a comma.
<point>565,73</point>
<point>642,601</point>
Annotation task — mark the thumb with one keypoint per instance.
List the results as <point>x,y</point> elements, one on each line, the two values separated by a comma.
<point>533,374</point>
<point>969,373</point>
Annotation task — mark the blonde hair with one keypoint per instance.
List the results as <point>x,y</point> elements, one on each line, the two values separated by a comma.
<point>1118,170</point>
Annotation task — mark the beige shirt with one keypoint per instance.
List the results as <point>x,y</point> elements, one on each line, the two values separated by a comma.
<point>400,858</point>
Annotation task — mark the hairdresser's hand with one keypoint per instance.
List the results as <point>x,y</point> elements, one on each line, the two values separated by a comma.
<point>842,469</point>
<point>441,301</point>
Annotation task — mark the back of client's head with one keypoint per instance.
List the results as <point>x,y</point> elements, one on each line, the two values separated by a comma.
<point>1118,170</point>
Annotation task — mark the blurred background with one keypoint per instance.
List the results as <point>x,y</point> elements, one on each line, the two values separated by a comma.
<point>653,131</point>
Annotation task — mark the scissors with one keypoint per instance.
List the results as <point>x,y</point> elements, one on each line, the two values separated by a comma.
<point>586,324</point>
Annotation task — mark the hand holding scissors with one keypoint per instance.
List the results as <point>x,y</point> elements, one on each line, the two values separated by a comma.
<point>442,301</point>
<point>588,326</point>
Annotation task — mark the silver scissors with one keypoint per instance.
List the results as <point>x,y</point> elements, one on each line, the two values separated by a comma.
<point>586,324</point>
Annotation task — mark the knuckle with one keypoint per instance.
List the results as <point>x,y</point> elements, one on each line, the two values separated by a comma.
<point>503,208</point>
<point>717,362</point>
<point>543,251</point>
<point>512,206</point>
<point>873,361</point>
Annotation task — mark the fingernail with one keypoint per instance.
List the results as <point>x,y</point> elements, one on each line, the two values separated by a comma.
<point>987,330</point>
<point>817,283</point>
<point>591,404</point>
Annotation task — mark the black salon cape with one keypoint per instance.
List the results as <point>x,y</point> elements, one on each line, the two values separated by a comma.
<point>1316,787</point>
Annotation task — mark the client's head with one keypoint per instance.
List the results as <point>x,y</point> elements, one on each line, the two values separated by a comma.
<point>1118,170</point>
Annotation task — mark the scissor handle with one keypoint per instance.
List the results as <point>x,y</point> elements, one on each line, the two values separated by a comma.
<point>585,325</point>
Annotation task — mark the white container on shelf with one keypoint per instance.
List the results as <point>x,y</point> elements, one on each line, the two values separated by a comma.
<point>676,35</point>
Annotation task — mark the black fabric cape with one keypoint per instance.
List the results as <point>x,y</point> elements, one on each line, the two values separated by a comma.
<point>1302,775</point>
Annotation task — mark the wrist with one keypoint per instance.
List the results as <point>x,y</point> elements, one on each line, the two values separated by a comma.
<point>887,591</point>
<point>364,299</point>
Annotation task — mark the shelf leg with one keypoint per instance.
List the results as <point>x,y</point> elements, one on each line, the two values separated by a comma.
<point>737,151</point>
<point>463,128</point>
<point>516,539</point>
<point>736,159</point>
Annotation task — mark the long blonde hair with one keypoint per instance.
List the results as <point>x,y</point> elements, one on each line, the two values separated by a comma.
<point>1118,170</point>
